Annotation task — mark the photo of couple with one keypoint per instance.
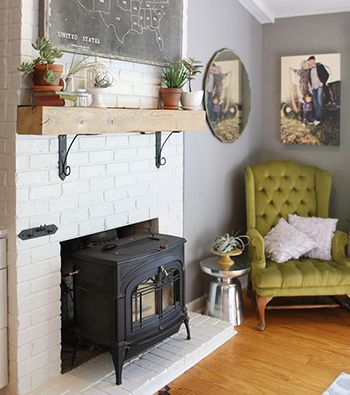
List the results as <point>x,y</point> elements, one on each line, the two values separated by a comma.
<point>310,99</point>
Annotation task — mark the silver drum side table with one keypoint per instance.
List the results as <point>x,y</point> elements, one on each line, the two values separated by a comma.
<point>225,292</point>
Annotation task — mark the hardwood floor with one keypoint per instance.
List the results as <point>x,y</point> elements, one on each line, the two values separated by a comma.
<point>300,353</point>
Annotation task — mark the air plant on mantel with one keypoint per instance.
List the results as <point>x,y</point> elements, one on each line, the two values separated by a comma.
<point>228,245</point>
<point>78,64</point>
<point>100,80</point>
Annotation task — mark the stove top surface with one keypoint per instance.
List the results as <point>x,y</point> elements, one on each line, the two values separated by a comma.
<point>130,248</point>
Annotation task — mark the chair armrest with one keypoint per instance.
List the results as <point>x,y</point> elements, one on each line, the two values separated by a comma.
<point>339,242</point>
<point>256,250</point>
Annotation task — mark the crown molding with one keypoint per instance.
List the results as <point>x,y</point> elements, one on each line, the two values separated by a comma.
<point>259,10</point>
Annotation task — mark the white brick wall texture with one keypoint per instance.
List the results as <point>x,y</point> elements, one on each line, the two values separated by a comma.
<point>114,182</point>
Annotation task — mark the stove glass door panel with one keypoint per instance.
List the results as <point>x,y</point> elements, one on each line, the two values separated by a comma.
<point>144,301</point>
<point>155,297</point>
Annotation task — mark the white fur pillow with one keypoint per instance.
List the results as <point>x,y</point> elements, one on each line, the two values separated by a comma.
<point>284,242</point>
<point>320,230</point>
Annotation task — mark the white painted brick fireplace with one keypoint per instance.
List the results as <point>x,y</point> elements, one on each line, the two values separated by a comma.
<point>114,182</point>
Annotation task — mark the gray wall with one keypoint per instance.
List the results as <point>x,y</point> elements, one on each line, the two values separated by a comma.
<point>214,189</point>
<point>299,36</point>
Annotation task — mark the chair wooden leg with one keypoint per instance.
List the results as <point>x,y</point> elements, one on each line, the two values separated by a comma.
<point>261,303</point>
<point>250,292</point>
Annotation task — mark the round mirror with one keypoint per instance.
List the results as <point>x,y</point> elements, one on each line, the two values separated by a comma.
<point>227,96</point>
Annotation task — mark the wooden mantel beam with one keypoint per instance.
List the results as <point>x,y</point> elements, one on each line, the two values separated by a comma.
<point>53,121</point>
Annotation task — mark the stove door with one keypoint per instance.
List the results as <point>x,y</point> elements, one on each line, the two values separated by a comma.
<point>155,300</point>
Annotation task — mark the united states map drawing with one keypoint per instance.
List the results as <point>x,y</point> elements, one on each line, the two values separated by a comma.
<point>147,31</point>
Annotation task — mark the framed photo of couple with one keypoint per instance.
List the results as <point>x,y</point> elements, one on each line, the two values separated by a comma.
<point>310,99</point>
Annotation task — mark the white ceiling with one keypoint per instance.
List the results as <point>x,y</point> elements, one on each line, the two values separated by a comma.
<point>266,11</point>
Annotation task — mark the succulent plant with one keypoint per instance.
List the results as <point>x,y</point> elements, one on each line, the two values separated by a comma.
<point>175,75</point>
<point>48,53</point>
<point>26,68</point>
<point>226,243</point>
<point>193,67</point>
<point>50,77</point>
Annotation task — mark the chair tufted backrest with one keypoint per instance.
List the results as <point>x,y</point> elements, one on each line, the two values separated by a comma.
<point>278,188</point>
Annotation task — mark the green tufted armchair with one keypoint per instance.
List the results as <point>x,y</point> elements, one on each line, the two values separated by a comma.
<point>274,190</point>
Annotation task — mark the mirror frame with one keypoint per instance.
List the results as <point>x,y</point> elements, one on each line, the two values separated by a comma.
<point>247,106</point>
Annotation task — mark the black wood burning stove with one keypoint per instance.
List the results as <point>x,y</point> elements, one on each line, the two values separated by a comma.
<point>129,294</point>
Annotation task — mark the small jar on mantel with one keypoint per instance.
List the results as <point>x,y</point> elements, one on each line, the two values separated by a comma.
<point>82,98</point>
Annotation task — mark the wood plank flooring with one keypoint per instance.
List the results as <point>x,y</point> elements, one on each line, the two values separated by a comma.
<point>300,353</point>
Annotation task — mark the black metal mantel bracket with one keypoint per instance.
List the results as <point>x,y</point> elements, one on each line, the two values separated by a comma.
<point>64,170</point>
<point>161,161</point>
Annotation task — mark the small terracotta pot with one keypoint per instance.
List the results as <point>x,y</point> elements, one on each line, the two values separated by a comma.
<point>40,70</point>
<point>170,98</point>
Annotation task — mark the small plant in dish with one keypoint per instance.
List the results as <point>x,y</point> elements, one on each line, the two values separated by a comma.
<point>226,243</point>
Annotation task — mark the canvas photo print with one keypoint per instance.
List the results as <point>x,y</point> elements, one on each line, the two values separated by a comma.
<point>310,99</point>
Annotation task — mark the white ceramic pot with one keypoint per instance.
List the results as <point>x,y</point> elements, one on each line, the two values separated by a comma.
<point>192,100</point>
<point>97,97</point>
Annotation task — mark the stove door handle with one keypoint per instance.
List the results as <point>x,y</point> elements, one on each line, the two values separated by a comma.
<point>164,271</point>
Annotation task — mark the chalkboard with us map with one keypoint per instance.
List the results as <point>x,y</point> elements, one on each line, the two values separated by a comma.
<point>144,31</point>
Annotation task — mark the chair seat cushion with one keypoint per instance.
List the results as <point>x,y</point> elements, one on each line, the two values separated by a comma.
<point>303,273</point>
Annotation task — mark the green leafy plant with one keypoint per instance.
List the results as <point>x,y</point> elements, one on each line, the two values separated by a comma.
<point>48,54</point>
<point>193,67</point>
<point>175,75</point>
<point>226,243</point>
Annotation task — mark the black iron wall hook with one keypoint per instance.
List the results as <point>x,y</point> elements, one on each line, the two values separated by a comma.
<point>161,161</point>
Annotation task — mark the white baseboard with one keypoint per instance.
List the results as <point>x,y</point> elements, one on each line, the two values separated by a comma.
<point>197,305</point>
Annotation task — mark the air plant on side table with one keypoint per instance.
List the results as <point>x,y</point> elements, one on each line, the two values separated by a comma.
<point>228,245</point>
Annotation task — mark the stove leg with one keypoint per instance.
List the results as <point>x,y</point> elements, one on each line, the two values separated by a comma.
<point>118,356</point>
<point>187,324</point>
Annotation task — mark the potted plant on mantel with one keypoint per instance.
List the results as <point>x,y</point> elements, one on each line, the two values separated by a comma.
<point>192,100</point>
<point>101,79</point>
<point>174,78</point>
<point>46,74</point>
